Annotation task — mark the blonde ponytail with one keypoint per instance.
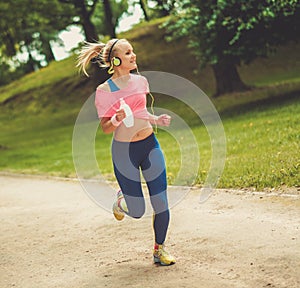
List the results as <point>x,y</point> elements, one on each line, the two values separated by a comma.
<point>87,53</point>
<point>102,53</point>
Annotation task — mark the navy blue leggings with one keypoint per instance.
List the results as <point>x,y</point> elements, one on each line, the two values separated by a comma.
<point>128,159</point>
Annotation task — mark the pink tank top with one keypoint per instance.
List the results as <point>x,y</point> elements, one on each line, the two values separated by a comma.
<point>134,94</point>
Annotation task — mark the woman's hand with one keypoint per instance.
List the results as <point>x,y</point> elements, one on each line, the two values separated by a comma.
<point>109,125</point>
<point>120,115</point>
<point>163,120</point>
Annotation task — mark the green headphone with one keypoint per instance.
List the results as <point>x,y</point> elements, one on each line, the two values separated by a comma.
<point>115,61</point>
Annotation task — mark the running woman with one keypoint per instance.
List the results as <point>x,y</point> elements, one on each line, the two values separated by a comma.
<point>134,148</point>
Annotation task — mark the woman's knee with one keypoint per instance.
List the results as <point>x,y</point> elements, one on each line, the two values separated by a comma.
<point>159,203</point>
<point>136,206</point>
<point>137,214</point>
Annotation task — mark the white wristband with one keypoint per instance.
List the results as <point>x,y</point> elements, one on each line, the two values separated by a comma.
<point>114,121</point>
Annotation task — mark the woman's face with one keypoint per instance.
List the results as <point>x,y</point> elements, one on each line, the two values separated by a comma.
<point>126,54</point>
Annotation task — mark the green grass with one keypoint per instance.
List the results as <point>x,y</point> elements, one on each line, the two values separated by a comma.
<point>41,81</point>
<point>37,145</point>
<point>261,125</point>
<point>262,147</point>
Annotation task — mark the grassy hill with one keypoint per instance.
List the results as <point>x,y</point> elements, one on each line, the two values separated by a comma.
<point>38,112</point>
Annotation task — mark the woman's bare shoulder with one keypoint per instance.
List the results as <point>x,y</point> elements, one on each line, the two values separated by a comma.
<point>104,86</point>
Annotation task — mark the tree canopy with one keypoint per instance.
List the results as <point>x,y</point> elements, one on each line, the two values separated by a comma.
<point>28,27</point>
<point>221,33</point>
<point>226,33</point>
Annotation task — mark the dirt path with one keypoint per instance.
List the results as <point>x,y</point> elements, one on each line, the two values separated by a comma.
<point>53,235</point>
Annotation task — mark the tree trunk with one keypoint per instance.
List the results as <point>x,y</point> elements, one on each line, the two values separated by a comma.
<point>163,11</point>
<point>9,43</point>
<point>51,56</point>
<point>47,49</point>
<point>108,19</point>
<point>89,30</point>
<point>143,6</point>
<point>88,27</point>
<point>98,75</point>
<point>31,65</point>
<point>227,78</point>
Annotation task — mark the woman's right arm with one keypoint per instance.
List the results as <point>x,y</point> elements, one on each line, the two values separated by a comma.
<point>109,125</point>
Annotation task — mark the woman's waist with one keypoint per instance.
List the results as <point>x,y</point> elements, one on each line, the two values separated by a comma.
<point>139,131</point>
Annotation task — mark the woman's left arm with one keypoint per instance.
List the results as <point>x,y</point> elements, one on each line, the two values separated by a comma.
<point>161,120</point>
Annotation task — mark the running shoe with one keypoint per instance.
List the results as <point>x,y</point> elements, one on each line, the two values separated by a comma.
<point>162,257</point>
<point>119,206</point>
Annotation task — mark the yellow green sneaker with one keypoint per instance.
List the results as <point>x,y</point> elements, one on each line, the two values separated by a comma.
<point>119,207</point>
<point>162,257</point>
